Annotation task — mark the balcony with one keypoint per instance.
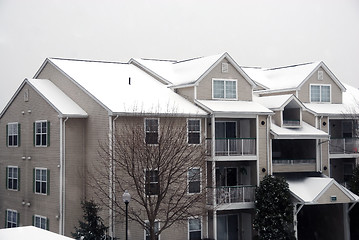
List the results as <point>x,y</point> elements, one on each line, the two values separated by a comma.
<point>291,123</point>
<point>234,194</point>
<point>233,146</point>
<point>344,145</point>
<point>293,161</point>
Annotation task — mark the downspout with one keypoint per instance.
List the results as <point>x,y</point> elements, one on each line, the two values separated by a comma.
<point>320,148</point>
<point>62,175</point>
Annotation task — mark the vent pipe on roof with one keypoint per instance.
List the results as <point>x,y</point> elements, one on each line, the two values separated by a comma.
<point>129,81</point>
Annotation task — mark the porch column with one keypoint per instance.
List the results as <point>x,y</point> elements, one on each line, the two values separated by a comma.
<point>346,221</point>
<point>214,177</point>
<point>296,210</point>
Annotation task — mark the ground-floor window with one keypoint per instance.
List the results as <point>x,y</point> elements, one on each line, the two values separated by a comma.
<point>147,232</point>
<point>194,229</point>
<point>12,218</point>
<point>40,222</point>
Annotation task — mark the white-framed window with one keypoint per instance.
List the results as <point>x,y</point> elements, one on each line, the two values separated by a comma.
<point>40,222</point>
<point>42,133</point>
<point>194,228</point>
<point>320,93</point>
<point>194,131</point>
<point>152,185</point>
<point>41,181</point>
<point>194,180</point>
<point>147,232</point>
<point>12,218</point>
<point>224,89</point>
<point>151,129</point>
<point>13,178</point>
<point>13,134</point>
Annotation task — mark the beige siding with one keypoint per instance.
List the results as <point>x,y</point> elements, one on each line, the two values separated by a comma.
<point>324,146</point>
<point>333,190</point>
<point>308,118</point>
<point>262,149</point>
<point>304,92</point>
<point>187,93</point>
<point>277,118</point>
<point>294,168</point>
<point>244,89</point>
<point>42,157</point>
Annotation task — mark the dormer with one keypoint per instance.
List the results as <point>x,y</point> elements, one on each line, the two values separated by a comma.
<point>287,108</point>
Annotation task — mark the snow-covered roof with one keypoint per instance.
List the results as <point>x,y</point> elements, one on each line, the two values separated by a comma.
<point>350,105</point>
<point>233,107</point>
<point>56,98</point>
<point>278,102</point>
<point>309,189</point>
<point>186,72</point>
<point>124,88</point>
<point>288,77</point>
<point>30,233</point>
<point>306,131</point>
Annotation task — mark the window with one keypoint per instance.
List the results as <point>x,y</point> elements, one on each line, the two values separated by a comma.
<point>13,134</point>
<point>152,186</point>
<point>12,218</point>
<point>41,180</point>
<point>40,222</point>
<point>320,93</point>
<point>194,131</point>
<point>194,229</point>
<point>157,228</point>
<point>194,180</point>
<point>13,175</point>
<point>151,127</point>
<point>42,133</point>
<point>226,89</point>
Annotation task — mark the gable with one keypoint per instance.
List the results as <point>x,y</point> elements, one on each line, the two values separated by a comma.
<point>244,87</point>
<point>333,191</point>
<point>328,79</point>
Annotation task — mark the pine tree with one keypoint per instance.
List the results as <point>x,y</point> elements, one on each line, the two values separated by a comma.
<point>92,228</point>
<point>274,210</point>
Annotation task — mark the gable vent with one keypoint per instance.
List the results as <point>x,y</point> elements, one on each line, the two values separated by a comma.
<point>320,75</point>
<point>224,67</point>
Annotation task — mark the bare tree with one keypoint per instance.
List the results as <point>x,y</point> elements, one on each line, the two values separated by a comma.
<point>160,162</point>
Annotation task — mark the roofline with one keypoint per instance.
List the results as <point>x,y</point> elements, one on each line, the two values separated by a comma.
<point>156,114</point>
<point>298,136</point>
<point>12,98</point>
<point>148,71</point>
<point>275,90</point>
<point>47,60</point>
<point>327,70</point>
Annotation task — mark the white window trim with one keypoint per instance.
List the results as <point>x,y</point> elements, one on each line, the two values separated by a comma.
<point>225,80</point>
<point>158,130</point>
<point>41,217</point>
<point>200,180</point>
<point>47,181</point>
<point>7,216</point>
<point>17,128</point>
<point>144,187</point>
<point>320,93</point>
<point>47,133</point>
<point>159,227</point>
<point>188,231</point>
<point>7,178</point>
<point>200,131</point>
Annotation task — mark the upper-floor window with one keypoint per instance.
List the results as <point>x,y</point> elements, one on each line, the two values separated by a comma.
<point>12,218</point>
<point>42,133</point>
<point>156,230</point>
<point>194,180</point>
<point>194,229</point>
<point>41,181</point>
<point>224,88</point>
<point>13,134</point>
<point>151,128</point>
<point>40,222</point>
<point>152,186</point>
<point>320,93</point>
<point>12,177</point>
<point>194,131</point>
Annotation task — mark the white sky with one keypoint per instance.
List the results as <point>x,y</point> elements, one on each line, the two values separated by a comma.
<point>264,33</point>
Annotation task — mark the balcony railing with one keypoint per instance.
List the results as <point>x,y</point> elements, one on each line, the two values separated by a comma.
<point>233,146</point>
<point>294,161</point>
<point>344,145</point>
<point>236,194</point>
<point>291,123</point>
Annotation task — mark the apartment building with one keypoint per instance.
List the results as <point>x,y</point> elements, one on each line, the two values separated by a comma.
<point>294,121</point>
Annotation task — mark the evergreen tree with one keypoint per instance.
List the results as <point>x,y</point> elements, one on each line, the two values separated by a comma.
<point>274,210</point>
<point>92,228</point>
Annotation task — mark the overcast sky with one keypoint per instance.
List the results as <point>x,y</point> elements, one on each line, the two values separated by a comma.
<point>263,33</point>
